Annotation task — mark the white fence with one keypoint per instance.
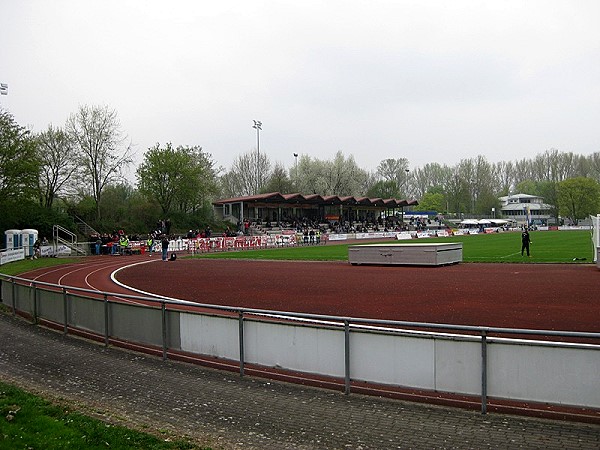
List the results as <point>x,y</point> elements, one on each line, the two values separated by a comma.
<point>398,354</point>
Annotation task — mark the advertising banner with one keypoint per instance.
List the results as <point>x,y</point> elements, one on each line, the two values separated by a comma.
<point>12,255</point>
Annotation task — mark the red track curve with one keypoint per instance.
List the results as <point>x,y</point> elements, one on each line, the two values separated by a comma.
<point>537,296</point>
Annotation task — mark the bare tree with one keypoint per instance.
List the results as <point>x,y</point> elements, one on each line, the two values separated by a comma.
<point>594,165</point>
<point>432,176</point>
<point>248,174</point>
<point>396,171</point>
<point>59,159</point>
<point>504,174</point>
<point>103,152</point>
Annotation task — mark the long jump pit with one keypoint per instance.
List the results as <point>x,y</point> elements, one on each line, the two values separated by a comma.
<point>422,254</point>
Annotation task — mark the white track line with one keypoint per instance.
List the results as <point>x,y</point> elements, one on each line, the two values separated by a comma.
<point>145,293</point>
<point>104,265</point>
<point>512,254</point>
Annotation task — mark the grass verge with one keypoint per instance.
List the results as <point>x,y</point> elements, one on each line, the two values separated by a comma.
<point>25,265</point>
<point>28,421</point>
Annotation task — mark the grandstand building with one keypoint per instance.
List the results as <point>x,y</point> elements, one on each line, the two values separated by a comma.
<point>277,208</point>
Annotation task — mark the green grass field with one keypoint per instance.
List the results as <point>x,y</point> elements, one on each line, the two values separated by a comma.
<point>25,265</point>
<point>546,247</point>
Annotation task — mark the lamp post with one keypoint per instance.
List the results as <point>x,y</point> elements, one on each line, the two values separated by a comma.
<point>296,169</point>
<point>403,185</point>
<point>258,126</point>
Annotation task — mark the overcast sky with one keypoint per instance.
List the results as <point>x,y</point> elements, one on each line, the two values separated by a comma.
<point>430,81</point>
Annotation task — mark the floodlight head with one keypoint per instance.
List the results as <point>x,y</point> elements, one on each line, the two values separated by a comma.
<point>257,124</point>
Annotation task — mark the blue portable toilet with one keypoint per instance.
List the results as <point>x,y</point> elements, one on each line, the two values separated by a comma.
<point>12,239</point>
<point>29,237</point>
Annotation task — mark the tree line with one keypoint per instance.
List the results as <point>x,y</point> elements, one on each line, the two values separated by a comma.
<point>77,170</point>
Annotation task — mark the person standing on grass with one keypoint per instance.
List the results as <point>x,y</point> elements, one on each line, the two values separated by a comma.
<point>525,241</point>
<point>165,247</point>
<point>150,244</point>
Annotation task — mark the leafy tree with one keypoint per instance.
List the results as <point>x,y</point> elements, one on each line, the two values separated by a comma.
<point>96,131</point>
<point>548,190</point>
<point>178,179</point>
<point>431,201</point>
<point>199,182</point>
<point>487,200</point>
<point>59,163</point>
<point>528,187</point>
<point>578,198</point>
<point>311,175</point>
<point>279,181</point>
<point>340,176</point>
<point>123,207</point>
<point>19,162</point>
<point>23,214</point>
<point>384,189</point>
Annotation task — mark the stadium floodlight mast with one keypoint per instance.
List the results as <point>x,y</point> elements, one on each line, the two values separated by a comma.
<point>404,183</point>
<point>258,126</point>
<point>296,169</point>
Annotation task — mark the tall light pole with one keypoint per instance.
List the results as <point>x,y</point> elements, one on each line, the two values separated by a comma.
<point>258,126</point>
<point>296,169</point>
<point>405,183</point>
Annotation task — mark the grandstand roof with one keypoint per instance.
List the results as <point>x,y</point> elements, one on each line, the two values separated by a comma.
<point>312,199</point>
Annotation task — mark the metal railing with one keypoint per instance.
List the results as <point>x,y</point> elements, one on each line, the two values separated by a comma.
<point>84,228</point>
<point>112,312</point>
<point>66,237</point>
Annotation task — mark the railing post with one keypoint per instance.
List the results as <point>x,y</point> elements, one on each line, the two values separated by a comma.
<point>346,357</point>
<point>106,321</point>
<point>241,340</point>
<point>164,329</point>
<point>65,312</point>
<point>14,299</point>
<point>35,311</point>
<point>483,371</point>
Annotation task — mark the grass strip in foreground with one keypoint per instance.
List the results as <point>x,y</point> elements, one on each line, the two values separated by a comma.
<point>28,421</point>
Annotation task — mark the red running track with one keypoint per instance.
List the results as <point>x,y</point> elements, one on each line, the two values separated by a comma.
<point>537,296</point>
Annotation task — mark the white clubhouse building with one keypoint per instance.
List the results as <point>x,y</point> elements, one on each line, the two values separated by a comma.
<point>525,209</point>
